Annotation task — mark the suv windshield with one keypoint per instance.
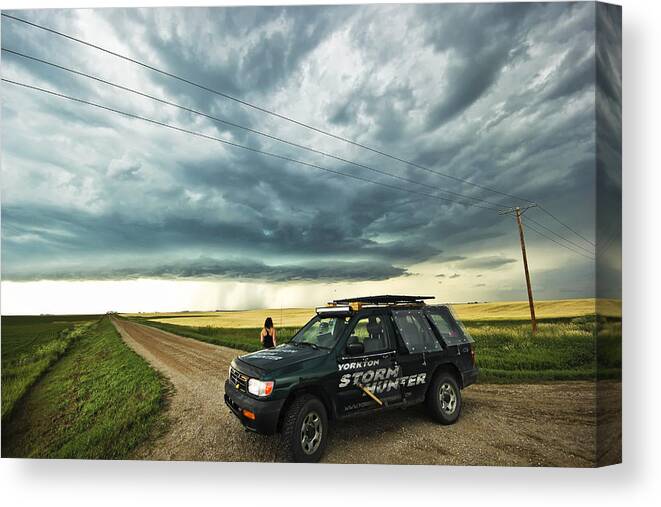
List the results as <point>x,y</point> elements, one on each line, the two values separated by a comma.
<point>321,331</point>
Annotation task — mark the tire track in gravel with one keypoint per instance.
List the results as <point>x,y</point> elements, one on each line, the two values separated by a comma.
<point>551,424</point>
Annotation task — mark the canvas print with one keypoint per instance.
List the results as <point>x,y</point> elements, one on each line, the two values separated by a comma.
<point>385,234</point>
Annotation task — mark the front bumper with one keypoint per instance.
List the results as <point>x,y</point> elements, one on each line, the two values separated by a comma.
<point>267,412</point>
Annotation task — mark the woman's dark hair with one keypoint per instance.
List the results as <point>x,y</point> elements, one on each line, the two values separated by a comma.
<point>268,323</point>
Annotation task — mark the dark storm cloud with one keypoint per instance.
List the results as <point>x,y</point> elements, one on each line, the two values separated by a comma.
<point>213,269</point>
<point>451,87</point>
<point>477,57</point>
<point>476,78</point>
<point>240,51</point>
<point>577,71</point>
<point>55,230</point>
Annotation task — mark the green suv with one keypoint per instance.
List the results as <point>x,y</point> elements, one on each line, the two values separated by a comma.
<point>356,356</point>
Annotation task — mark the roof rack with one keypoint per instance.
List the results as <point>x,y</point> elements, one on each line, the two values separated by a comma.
<point>384,300</point>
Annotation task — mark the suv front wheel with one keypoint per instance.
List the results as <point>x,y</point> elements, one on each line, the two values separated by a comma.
<point>444,398</point>
<point>305,429</point>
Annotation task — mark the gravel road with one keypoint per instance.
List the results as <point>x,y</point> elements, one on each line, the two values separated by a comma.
<point>550,424</point>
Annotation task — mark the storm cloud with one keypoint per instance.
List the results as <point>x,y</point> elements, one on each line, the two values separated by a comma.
<point>498,94</point>
<point>213,269</point>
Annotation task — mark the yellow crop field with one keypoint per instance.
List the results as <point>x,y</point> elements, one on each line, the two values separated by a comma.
<point>287,317</point>
<point>296,317</point>
<point>550,309</point>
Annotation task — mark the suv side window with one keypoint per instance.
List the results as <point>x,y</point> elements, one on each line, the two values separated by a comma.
<point>416,331</point>
<point>371,332</point>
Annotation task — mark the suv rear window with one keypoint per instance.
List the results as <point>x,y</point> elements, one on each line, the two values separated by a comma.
<point>451,329</point>
<point>416,331</point>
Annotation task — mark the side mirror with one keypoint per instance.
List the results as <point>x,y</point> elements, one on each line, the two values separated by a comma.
<point>355,349</point>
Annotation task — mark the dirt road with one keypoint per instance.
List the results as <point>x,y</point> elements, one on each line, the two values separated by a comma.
<point>527,424</point>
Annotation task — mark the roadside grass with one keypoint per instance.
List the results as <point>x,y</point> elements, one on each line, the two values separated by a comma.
<point>578,348</point>
<point>569,349</point>
<point>99,401</point>
<point>29,346</point>
<point>609,349</point>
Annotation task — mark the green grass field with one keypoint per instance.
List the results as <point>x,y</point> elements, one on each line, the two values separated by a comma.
<point>562,349</point>
<point>29,346</point>
<point>99,400</point>
<point>574,347</point>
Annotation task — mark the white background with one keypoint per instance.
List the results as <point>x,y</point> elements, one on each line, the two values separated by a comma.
<point>635,482</point>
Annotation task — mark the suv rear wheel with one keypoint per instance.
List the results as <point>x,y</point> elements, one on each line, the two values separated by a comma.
<point>305,429</point>
<point>444,398</point>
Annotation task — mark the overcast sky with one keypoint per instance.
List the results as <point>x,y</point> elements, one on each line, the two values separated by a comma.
<point>105,212</point>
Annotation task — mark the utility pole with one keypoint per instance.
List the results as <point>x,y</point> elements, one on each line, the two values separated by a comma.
<point>518,211</point>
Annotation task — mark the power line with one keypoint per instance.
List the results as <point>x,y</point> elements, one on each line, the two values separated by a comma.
<point>236,145</point>
<point>559,236</point>
<point>248,129</point>
<point>262,109</point>
<point>565,225</point>
<point>558,243</point>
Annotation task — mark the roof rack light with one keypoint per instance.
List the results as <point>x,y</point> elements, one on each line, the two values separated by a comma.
<point>334,310</point>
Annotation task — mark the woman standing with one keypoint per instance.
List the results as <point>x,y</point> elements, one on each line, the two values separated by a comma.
<point>267,336</point>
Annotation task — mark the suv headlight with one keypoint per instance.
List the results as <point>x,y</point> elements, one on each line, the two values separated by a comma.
<point>260,387</point>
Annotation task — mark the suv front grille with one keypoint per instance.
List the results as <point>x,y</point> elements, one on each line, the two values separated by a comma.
<point>239,380</point>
